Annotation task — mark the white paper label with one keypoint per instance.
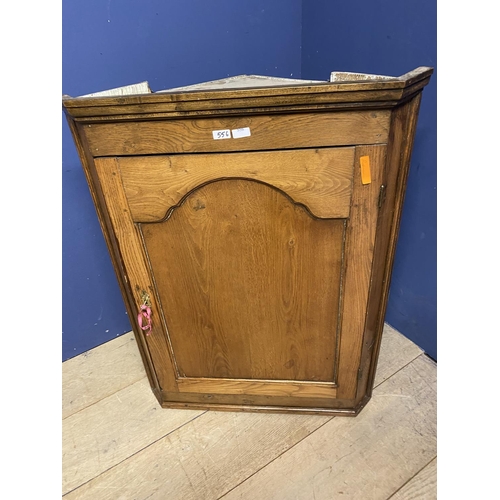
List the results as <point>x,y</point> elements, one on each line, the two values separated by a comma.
<point>221,134</point>
<point>238,133</point>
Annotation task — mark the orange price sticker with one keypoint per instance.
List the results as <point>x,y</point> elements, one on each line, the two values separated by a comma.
<point>364,162</point>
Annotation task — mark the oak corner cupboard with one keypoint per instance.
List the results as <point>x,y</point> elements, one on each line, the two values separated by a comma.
<point>252,224</point>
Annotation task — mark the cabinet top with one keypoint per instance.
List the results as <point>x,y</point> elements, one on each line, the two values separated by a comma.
<point>244,94</point>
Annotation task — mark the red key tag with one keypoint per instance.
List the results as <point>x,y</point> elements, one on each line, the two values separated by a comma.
<point>144,316</point>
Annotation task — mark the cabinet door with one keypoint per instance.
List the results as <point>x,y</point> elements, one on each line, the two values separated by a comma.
<point>257,266</point>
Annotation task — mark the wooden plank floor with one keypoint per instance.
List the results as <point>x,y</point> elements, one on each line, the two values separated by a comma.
<point>118,444</point>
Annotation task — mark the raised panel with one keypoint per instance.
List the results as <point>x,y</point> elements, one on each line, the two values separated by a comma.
<point>320,179</point>
<point>249,284</point>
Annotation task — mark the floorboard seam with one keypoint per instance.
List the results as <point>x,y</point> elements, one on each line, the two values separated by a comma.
<point>136,452</point>
<point>275,458</point>
<point>204,412</point>
<point>310,434</point>
<point>412,477</point>
<point>398,370</point>
<point>99,400</point>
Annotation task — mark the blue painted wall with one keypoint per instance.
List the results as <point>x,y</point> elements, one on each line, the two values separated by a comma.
<point>391,37</point>
<point>109,44</point>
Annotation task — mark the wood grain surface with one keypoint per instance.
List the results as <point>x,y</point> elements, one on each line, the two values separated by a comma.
<point>249,284</point>
<point>267,132</point>
<point>137,272</point>
<point>114,439</point>
<point>421,487</point>
<point>360,242</point>
<point>368,457</point>
<point>257,387</point>
<point>321,179</point>
<point>419,74</point>
<point>112,244</point>
<point>342,95</point>
<point>82,388</point>
<point>394,178</point>
<point>265,258</point>
<point>211,455</point>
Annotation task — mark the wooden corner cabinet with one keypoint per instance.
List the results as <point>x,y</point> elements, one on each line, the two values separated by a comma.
<point>252,224</point>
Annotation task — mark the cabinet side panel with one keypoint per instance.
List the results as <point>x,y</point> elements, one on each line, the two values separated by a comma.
<point>249,284</point>
<point>106,227</point>
<point>402,134</point>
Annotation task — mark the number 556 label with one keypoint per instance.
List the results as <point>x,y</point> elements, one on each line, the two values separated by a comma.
<point>221,134</point>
